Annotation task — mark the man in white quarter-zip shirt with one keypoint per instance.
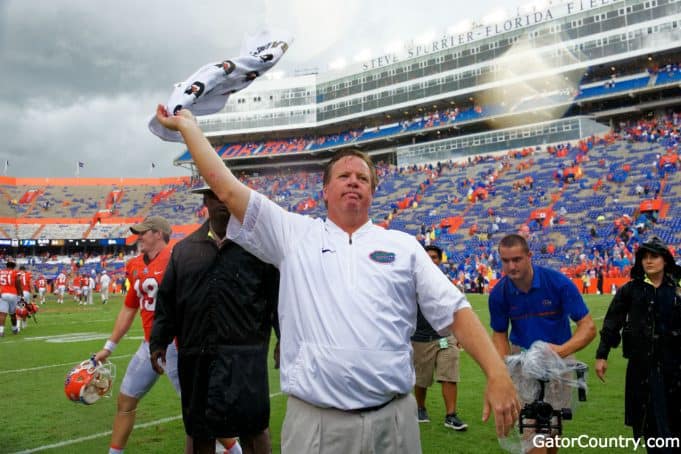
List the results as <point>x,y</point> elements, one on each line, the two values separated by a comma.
<point>347,308</point>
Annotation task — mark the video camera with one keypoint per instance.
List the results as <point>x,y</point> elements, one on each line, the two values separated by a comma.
<point>541,417</point>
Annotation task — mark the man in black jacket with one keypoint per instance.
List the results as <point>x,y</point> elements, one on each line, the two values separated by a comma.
<point>219,302</point>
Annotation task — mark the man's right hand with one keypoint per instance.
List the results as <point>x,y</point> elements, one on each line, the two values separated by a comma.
<point>155,363</point>
<point>601,367</point>
<point>174,122</point>
<point>102,355</point>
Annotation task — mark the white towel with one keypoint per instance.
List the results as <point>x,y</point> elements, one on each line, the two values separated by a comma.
<point>207,90</point>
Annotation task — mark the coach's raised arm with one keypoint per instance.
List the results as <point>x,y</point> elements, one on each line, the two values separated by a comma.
<point>224,184</point>
<point>347,307</point>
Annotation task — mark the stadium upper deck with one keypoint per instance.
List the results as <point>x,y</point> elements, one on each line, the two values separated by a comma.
<point>550,48</point>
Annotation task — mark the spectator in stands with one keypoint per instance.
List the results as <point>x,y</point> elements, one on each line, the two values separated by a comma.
<point>639,190</point>
<point>436,354</point>
<point>219,302</point>
<point>351,333</point>
<point>494,229</point>
<point>646,316</point>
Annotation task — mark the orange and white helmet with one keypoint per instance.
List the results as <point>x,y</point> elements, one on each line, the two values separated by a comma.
<point>21,311</point>
<point>89,381</point>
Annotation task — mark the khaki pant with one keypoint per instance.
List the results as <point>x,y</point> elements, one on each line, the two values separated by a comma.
<point>313,430</point>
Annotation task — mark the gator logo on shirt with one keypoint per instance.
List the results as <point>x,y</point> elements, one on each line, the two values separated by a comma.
<point>382,256</point>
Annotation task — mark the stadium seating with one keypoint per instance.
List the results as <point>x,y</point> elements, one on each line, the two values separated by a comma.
<point>576,203</point>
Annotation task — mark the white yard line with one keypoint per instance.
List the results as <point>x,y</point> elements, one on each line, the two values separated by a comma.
<point>71,337</point>
<point>105,434</point>
<point>49,366</point>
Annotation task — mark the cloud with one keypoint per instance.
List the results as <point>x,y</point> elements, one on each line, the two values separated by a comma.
<point>109,134</point>
<point>319,25</point>
<point>81,78</point>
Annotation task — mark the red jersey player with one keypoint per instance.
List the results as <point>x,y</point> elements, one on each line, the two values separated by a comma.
<point>61,287</point>
<point>41,285</point>
<point>145,273</point>
<point>10,288</point>
<point>26,282</point>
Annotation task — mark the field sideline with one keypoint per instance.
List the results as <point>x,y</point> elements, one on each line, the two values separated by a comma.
<point>35,415</point>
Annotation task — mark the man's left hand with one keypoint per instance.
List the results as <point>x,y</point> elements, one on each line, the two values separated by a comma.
<point>558,349</point>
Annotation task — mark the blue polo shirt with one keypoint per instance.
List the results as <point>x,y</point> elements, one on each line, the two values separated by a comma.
<point>540,314</point>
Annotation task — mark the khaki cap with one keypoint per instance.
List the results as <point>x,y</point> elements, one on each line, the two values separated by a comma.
<point>157,223</point>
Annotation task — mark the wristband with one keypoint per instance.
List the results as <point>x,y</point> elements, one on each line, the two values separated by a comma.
<point>110,345</point>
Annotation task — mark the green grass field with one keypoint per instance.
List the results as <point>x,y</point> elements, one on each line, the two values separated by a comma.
<point>35,415</point>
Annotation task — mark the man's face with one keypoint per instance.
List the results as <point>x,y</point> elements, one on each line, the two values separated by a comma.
<point>434,256</point>
<point>147,241</point>
<point>516,263</point>
<point>217,211</point>
<point>349,187</point>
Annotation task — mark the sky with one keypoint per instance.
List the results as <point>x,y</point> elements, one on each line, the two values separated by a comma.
<point>81,78</point>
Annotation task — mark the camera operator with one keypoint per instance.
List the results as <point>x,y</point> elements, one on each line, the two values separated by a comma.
<point>539,303</point>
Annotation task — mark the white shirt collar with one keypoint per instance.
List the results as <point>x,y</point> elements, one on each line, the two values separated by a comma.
<point>336,229</point>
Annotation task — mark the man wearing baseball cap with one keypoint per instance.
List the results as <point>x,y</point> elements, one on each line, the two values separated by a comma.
<point>145,273</point>
<point>153,223</point>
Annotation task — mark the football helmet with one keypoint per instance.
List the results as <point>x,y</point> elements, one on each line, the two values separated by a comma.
<point>89,381</point>
<point>21,311</point>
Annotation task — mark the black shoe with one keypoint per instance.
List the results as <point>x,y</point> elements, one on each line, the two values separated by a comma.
<point>453,422</point>
<point>423,415</point>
